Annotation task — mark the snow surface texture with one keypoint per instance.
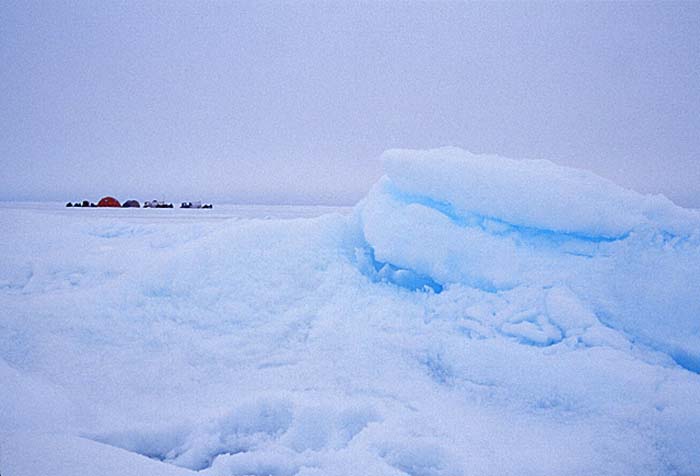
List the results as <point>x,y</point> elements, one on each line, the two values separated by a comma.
<point>473,315</point>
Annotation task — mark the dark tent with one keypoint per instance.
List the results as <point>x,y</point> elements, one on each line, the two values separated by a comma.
<point>131,204</point>
<point>109,202</point>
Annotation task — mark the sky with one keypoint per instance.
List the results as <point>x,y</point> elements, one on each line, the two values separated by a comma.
<point>270,102</point>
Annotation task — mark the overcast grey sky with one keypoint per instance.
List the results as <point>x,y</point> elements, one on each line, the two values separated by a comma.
<point>293,102</point>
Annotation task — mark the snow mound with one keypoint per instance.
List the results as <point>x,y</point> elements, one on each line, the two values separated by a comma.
<point>446,216</point>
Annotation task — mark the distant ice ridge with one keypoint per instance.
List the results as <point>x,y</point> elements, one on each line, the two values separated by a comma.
<point>446,216</point>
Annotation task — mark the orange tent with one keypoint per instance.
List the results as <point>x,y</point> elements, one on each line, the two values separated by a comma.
<point>109,202</point>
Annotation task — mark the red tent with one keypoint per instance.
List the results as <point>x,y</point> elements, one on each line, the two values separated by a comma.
<point>109,202</point>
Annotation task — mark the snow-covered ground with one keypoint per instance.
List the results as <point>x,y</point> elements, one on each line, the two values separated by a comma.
<point>472,315</point>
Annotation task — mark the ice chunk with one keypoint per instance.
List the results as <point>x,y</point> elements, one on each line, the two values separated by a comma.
<point>528,193</point>
<point>497,224</point>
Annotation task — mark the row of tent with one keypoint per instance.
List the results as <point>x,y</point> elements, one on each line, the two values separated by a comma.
<point>114,203</point>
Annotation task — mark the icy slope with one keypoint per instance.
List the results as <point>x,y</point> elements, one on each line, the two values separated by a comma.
<point>426,334</point>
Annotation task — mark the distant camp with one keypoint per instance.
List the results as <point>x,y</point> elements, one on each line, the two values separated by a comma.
<point>111,202</point>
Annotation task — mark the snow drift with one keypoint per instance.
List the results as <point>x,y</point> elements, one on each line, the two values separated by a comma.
<point>472,315</point>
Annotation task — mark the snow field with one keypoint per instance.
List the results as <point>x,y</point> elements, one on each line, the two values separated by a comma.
<point>428,333</point>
